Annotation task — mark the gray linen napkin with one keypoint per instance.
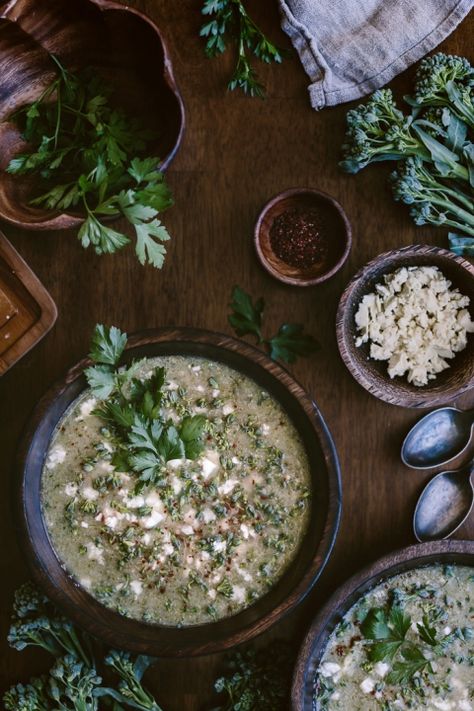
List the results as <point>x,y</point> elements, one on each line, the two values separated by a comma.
<point>351,47</point>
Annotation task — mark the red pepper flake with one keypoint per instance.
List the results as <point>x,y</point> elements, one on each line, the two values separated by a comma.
<point>297,238</point>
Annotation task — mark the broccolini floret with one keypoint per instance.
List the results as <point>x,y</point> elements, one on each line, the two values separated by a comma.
<point>431,200</point>
<point>131,672</point>
<point>27,697</point>
<point>445,80</point>
<point>37,623</point>
<point>72,684</point>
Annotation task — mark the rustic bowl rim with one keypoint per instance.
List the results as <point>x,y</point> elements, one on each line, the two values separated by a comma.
<point>333,203</point>
<point>423,396</point>
<point>125,632</point>
<point>54,220</point>
<point>346,595</point>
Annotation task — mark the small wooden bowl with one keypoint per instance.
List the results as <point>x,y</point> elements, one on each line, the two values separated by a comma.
<point>337,225</point>
<point>123,44</point>
<point>158,640</point>
<point>372,374</point>
<point>314,645</point>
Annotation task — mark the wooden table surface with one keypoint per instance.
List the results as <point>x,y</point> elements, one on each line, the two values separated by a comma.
<point>237,152</point>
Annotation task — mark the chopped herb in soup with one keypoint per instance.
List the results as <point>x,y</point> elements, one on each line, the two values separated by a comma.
<point>407,644</point>
<point>204,534</point>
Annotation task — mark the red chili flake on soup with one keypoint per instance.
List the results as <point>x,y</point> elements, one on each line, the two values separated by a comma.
<point>299,238</point>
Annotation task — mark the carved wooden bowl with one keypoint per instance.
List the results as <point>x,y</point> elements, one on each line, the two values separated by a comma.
<point>372,374</point>
<point>124,45</point>
<point>314,645</point>
<point>336,225</point>
<point>296,582</point>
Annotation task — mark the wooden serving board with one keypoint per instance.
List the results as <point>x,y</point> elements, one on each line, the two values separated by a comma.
<point>27,311</point>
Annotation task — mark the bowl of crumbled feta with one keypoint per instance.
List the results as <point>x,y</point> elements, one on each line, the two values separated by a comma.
<point>206,529</point>
<point>405,325</point>
<point>398,635</point>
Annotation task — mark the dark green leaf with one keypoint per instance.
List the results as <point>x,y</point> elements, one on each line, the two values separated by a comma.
<point>108,344</point>
<point>246,317</point>
<point>291,342</point>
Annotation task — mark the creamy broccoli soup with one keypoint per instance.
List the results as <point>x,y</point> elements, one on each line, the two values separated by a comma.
<point>207,538</point>
<point>407,644</point>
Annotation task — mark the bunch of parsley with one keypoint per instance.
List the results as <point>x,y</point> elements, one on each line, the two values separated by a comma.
<point>145,440</point>
<point>83,153</point>
<point>290,341</point>
<point>230,23</point>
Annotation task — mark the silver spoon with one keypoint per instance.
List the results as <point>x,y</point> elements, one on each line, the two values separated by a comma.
<point>444,504</point>
<point>437,438</point>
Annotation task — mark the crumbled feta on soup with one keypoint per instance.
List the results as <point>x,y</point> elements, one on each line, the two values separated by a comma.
<point>416,321</point>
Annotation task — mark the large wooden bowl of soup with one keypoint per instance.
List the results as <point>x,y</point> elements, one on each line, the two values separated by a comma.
<point>219,549</point>
<point>399,633</point>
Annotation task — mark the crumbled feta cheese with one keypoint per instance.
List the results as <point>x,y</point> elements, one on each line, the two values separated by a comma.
<point>89,493</point>
<point>208,467</point>
<point>95,553</point>
<point>136,503</point>
<point>238,593</point>
<point>227,409</point>
<point>152,520</point>
<point>57,455</point>
<point>245,530</point>
<point>84,524</point>
<point>187,530</point>
<point>86,408</point>
<point>70,489</point>
<point>415,321</point>
<point>447,630</point>
<point>208,515</point>
<point>381,669</point>
<point>227,486</point>
<point>212,593</point>
<point>137,587</point>
<point>219,546</point>
<point>442,705</point>
<point>464,705</point>
<point>265,428</point>
<point>85,582</point>
<point>328,669</point>
<point>167,549</point>
<point>368,685</point>
<point>175,463</point>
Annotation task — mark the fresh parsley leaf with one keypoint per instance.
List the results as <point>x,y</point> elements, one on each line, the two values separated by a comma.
<point>101,380</point>
<point>191,432</point>
<point>427,632</point>
<point>84,154</point>
<point>231,23</point>
<point>170,445</point>
<point>387,630</point>
<point>247,316</point>
<point>108,344</point>
<point>148,249</point>
<point>291,342</point>
<point>413,661</point>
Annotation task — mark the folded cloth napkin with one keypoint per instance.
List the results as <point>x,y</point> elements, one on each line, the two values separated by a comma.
<point>351,47</point>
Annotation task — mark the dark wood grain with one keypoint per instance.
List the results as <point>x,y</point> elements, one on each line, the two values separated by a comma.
<point>314,645</point>
<point>106,624</point>
<point>120,43</point>
<point>31,312</point>
<point>236,153</point>
<point>335,230</point>
<point>372,374</point>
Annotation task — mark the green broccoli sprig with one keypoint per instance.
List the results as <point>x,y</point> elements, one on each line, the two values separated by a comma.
<point>130,690</point>
<point>379,131</point>
<point>432,201</point>
<point>445,80</point>
<point>37,623</point>
<point>73,683</point>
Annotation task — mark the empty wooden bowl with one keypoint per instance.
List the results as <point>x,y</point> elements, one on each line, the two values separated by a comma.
<point>335,224</point>
<point>124,45</point>
<point>372,374</point>
<point>314,645</point>
<point>160,640</point>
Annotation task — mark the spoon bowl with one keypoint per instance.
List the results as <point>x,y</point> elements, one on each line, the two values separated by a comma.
<point>444,504</point>
<point>438,438</point>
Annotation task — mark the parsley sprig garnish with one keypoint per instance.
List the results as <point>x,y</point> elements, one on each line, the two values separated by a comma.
<point>387,632</point>
<point>231,23</point>
<point>133,409</point>
<point>83,153</point>
<point>290,341</point>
